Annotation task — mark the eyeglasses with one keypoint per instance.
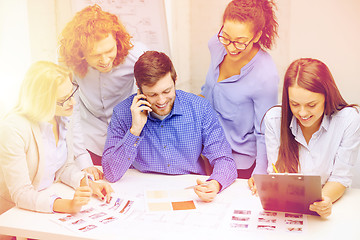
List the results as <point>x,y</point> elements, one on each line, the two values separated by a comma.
<point>75,87</point>
<point>238,45</point>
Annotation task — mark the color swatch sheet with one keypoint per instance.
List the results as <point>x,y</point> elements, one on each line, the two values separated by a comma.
<point>169,200</point>
<point>207,215</point>
<point>96,215</point>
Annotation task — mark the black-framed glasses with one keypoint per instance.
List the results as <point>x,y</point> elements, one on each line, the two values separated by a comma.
<point>238,45</point>
<point>75,88</point>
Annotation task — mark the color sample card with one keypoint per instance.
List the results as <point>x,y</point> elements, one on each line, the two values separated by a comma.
<point>169,200</point>
<point>184,205</point>
<point>159,206</point>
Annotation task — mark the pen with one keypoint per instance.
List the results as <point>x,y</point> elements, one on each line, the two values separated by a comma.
<point>203,185</point>
<point>86,179</point>
<point>276,171</point>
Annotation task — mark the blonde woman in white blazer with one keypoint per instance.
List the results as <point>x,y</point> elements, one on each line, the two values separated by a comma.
<point>36,146</point>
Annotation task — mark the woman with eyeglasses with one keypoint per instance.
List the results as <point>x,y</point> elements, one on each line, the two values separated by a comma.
<point>242,80</point>
<point>36,146</point>
<point>315,131</point>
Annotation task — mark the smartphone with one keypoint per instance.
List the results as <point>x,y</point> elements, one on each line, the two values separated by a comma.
<point>142,99</point>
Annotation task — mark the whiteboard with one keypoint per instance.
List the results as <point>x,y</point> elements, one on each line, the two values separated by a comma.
<point>145,20</point>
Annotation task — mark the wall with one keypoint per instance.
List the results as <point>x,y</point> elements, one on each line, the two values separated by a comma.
<point>329,30</point>
<point>42,30</point>
<point>14,50</point>
<point>204,24</point>
<point>180,41</point>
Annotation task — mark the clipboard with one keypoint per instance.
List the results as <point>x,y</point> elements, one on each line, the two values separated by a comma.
<point>288,192</point>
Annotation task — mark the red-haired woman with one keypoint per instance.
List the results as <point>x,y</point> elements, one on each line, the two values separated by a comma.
<point>96,46</point>
<point>314,131</point>
<point>242,80</point>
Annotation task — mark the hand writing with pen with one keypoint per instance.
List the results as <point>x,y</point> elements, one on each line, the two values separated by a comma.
<point>208,190</point>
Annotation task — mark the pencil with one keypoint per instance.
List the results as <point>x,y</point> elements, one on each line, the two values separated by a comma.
<point>276,171</point>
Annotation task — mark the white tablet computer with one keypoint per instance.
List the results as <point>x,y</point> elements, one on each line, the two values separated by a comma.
<point>288,192</point>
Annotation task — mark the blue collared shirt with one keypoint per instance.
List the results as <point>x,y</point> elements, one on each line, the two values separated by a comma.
<point>172,145</point>
<point>241,101</point>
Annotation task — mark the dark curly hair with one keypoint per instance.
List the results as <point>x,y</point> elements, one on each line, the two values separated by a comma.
<point>260,13</point>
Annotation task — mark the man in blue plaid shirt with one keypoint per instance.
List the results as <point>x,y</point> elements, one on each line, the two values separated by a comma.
<point>163,130</point>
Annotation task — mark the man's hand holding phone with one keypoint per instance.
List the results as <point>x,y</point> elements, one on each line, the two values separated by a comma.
<point>139,111</point>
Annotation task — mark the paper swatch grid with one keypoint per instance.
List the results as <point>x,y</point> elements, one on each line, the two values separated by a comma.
<point>206,215</point>
<point>169,200</point>
<point>254,220</point>
<point>96,215</point>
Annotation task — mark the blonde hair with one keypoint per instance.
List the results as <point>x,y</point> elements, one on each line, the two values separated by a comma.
<point>37,96</point>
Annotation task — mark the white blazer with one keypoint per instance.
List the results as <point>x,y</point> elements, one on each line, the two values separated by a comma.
<point>22,165</point>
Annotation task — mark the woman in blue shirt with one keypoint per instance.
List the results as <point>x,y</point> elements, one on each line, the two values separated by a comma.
<point>242,81</point>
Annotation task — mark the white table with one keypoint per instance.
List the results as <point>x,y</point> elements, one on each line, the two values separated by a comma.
<point>342,224</point>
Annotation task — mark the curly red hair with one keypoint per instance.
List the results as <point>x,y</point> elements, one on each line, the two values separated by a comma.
<point>260,13</point>
<point>88,26</point>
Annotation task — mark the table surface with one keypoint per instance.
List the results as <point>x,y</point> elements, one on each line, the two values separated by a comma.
<point>341,224</point>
